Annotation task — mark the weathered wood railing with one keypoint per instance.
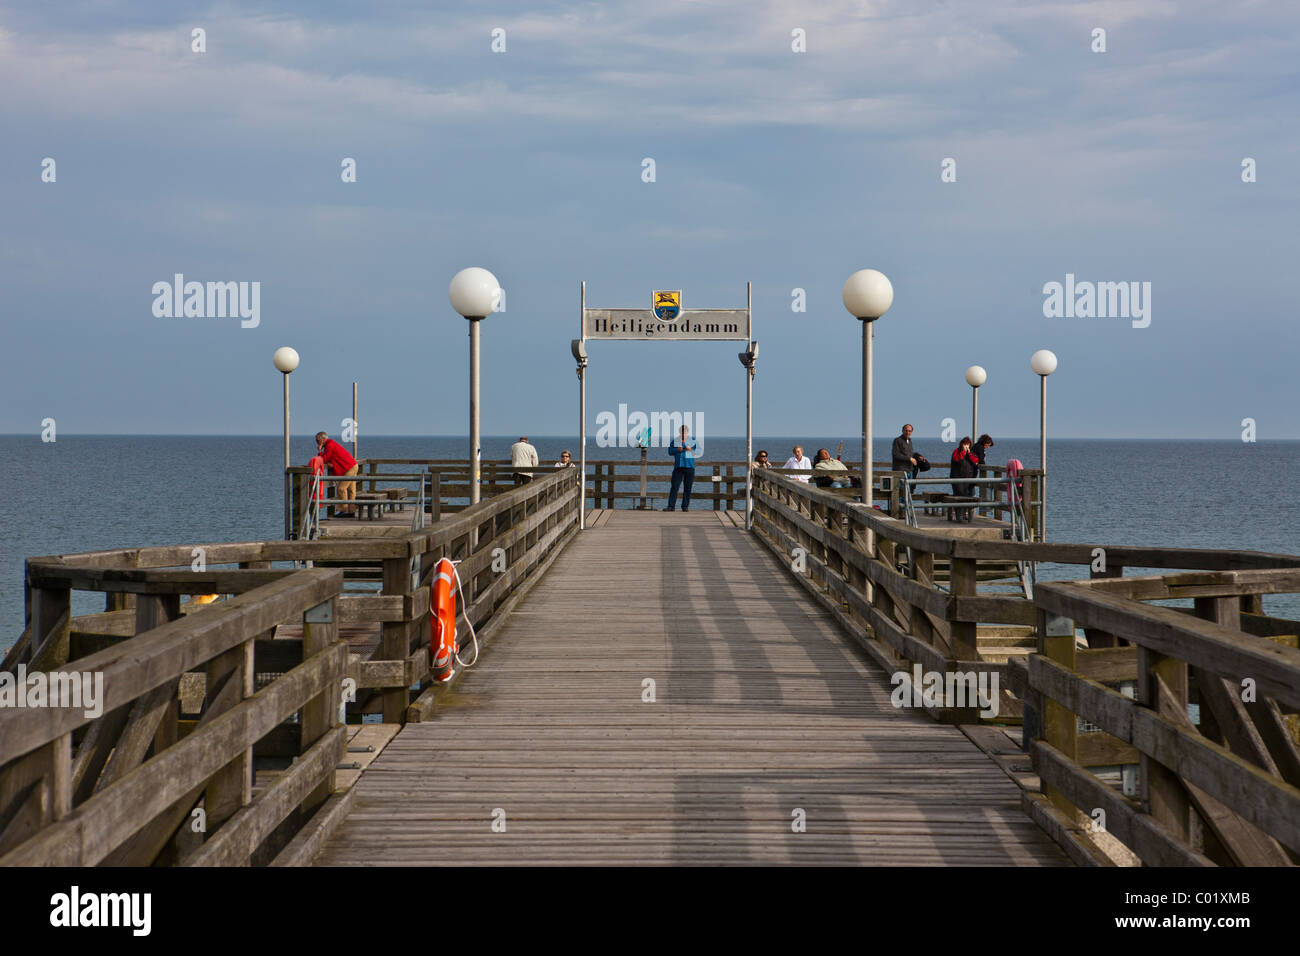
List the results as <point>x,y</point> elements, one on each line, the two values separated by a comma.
<point>182,717</point>
<point>1204,790</point>
<point>159,770</point>
<point>1221,788</point>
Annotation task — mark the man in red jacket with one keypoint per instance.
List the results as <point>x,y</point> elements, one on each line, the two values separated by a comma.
<point>340,463</point>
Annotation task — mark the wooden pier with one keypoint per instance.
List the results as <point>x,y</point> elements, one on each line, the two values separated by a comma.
<point>657,688</point>
<point>762,711</point>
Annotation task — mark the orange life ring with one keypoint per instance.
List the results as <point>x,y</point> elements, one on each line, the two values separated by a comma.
<point>442,620</point>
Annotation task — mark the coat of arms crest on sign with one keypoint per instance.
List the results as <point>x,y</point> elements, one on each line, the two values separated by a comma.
<point>667,306</point>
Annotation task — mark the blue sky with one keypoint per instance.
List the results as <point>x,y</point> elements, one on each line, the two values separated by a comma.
<point>790,170</point>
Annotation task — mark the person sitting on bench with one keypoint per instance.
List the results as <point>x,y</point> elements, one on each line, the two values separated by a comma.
<point>825,463</point>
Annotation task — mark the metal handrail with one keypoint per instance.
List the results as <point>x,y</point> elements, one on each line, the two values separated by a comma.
<point>417,520</point>
<point>1027,571</point>
<point>310,517</point>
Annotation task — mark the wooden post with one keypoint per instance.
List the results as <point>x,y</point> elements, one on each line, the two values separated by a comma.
<point>395,643</point>
<point>231,787</point>
<point>36,790</point>
<point>1161,792</point>
<point>51,610</point>
<point>320,630</point>
<point>118,601</point>
<point>881,599</point>
<point>1095,637</point>
<point>962,578</point>
<point>1060,726</point>
<point>717,501</point>
<point>155,610</point>
<point>1033,498</point>
<point>922,571</point>
<point>731,488</point>
<point>435,495</point>
<point>301,501</point>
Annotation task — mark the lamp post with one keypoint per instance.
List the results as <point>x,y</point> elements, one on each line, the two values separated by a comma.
<point>579,349</point>
<point>474,292</point>
<point>749,359</point>
<point>286,360</point>
<point>1043,362</point>
<point>975,377</point>
<point>867,294</point>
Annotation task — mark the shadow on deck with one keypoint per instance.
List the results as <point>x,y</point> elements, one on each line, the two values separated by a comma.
<point>764,713</point>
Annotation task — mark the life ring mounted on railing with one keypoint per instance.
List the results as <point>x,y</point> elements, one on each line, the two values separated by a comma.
<point>443,649</point>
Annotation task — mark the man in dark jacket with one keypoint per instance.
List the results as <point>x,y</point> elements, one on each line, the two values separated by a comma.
<point>902,454</point>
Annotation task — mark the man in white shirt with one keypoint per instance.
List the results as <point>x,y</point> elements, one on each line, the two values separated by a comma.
<point>798,460</point>
<point>523,455</point>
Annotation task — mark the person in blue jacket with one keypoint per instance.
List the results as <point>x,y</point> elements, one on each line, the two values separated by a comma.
<point>683,452</point>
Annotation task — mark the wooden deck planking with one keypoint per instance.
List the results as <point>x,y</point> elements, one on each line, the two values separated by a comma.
<point>762,706</point>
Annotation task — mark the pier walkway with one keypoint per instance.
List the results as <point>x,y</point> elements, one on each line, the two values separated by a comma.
<point>761,708</point>
<point>655,688</point>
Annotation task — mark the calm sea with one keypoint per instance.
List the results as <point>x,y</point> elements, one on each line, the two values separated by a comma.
<point>89,492</point>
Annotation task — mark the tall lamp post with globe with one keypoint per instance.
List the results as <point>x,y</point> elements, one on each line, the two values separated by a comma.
<point>286,360</point>
<point>1043,363</point>
<point>867,295</point>
<point>975,377</point>
<point>474,293</point>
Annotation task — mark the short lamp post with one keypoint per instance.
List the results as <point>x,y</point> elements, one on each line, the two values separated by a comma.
<point>579,349</point>
<point>1043,362</point>
<point>749,359</point>
<point>474,293</point>
<point>867,295</point>
<point>286,360</point>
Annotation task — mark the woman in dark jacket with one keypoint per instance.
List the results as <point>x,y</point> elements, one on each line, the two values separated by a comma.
<point>964,465</point>
<point>981,447</point>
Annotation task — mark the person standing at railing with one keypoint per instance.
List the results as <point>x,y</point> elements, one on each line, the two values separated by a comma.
<point>964,465</point>
<point>523,455</point>
<point>902,454</point>
<point>683,452</point>
<point>340,462</point>
<point>566,460</point>
<point>980,450</point>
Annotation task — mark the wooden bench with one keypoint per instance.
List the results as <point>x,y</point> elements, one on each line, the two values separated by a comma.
<point>372,501</point>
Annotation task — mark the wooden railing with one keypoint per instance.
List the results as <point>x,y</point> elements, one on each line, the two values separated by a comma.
<point>160,769</point>
<point>197,697</point>
<point>1217,787</point>
<point>612,483</point>
<point>1204,790</point>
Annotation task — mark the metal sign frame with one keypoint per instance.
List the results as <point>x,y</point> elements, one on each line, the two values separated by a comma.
<point>642,325</point>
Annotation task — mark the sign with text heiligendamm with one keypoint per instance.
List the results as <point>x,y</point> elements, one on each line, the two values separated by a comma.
<point>666,319</point>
